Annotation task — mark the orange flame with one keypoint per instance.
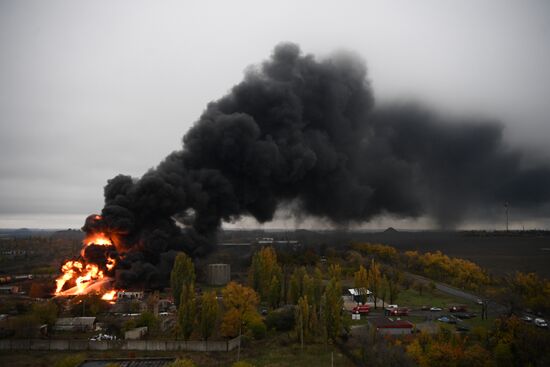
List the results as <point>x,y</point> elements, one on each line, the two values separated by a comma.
<point>109,296</point>
<point>110,263</point>
<point>87,278</point>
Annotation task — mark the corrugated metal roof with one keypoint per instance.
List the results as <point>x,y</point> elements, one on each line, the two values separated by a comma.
<point>359,291</point>
<point>63,321</point>
<point>139,362</point>
<point>390,323</point>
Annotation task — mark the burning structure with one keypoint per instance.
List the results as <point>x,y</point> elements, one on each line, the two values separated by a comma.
<point>301,133</point>
<point>94,271</point>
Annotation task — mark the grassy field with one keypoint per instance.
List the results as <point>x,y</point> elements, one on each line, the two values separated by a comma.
<point>413,299</point>
<point>283,356</point>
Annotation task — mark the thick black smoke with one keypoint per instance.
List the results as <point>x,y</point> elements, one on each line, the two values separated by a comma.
<point>305,131</point>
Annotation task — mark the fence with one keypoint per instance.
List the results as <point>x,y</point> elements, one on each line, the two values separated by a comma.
<point>142,345</point>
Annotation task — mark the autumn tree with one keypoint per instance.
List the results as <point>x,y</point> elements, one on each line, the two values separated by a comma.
<point>208,314</point>
<point>183,272</point>
<point>375,280</point>
<point>265,276</point>
<point>240,304</point>
<point>361,279</point>
<point>335,271</point>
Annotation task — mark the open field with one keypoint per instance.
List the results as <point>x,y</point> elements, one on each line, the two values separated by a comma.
<point>499,252</point>
<point>413,299</point>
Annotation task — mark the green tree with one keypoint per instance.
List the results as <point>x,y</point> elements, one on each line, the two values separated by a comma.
<point>209,314</point>
<point>317,289</point>
<point>394,280</point>
<point>88,305</point>
<point>302,319</point>
<point>45,312</point>
<point>187,311</point>
<point>296,286</point>
<point>419,286</point>
<point>183,271</point>
<point>148,319</point>
<point>333,309</point>
<point>265,274</point>
<point>275,291</point>
<point>503,355</point>
<point>383,289</point>
<point>375,280</point>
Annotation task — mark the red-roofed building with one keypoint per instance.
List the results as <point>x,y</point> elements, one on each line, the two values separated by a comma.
<point>392,326</point>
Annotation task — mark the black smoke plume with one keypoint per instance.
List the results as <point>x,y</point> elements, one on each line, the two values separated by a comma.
<point>306,131</point>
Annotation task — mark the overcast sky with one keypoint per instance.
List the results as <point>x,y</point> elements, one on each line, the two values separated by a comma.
<point>90,89</point>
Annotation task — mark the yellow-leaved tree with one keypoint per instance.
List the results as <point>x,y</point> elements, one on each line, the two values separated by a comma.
<point>240,303</point>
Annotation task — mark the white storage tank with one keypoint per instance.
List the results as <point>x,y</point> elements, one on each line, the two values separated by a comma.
<point>218,274</point>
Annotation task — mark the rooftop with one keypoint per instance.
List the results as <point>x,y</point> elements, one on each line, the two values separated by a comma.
<point>390,323</point>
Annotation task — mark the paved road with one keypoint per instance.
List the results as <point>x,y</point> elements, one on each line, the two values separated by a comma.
<point>445,288</point>
<point>492,307</point>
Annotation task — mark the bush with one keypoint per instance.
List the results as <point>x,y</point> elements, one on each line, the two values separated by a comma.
<point>258,329</point>
<point>71,361</point>
<point>242,364</point>
<point>182,363</point>
<point>281,320</point>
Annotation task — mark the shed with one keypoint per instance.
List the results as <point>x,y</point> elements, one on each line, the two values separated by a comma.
<point>359,295</point>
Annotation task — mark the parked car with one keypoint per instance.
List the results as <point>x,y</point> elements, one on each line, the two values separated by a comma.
<point>103,337</point>
<point>462,327</point>
<point>361,309</point>
<point>392,306</point>
<point>447,319</point>
<point>436,309</point>
<point>465,315</point>
<point>425,308</point>
<point>541,322</point>
<point>526,318</point>
<point>457,309</point>
<point>403,311</point>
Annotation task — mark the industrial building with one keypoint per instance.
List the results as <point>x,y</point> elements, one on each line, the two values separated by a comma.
<point>75,324</point>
